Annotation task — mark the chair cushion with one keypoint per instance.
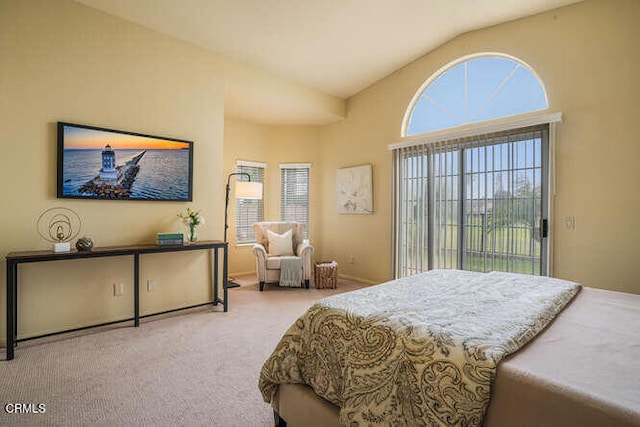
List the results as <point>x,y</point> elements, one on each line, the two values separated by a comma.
<point>280,244</point>
<point>273,262</point>
<point>278,227</point>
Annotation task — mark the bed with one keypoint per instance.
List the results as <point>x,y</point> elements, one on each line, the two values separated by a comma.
<point>584,369</point>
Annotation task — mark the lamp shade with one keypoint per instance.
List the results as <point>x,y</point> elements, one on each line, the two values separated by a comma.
<point>248,190</point>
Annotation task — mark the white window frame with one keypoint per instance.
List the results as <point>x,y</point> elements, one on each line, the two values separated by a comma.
<point>248,211</point>
<point>304,218</point>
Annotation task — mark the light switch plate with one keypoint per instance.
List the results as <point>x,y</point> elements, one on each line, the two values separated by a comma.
<point>118,289</point>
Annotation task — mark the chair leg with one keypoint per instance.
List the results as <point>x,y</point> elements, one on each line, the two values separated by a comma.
<point>261,286</point>
<point>306,283</point>
<point>279,422</point>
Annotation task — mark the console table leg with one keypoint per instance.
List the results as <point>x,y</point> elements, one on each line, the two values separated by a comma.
<point>214,253</point>
<point>11,290</point>
<point>136,289</point>
<point>225,276</point>
<point>15,302</point>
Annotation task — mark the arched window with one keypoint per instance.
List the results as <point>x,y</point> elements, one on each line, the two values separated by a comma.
<point>475,89</point>
<point>471,192</point>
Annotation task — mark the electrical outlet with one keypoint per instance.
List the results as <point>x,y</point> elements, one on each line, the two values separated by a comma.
<point>151,285</point>
<point>351,259</point>
<point>570,222</point>
<point>118,289</point>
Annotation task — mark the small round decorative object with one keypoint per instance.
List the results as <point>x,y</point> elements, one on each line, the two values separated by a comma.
<point>84,244</point>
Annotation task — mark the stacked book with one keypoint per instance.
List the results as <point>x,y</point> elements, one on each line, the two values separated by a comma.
<point>170,239</point>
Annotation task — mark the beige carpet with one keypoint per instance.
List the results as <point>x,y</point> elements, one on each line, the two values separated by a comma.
<point>195,368</point>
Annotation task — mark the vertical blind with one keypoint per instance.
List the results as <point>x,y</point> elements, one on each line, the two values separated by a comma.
<point>294,195</point>
<point>475,203</point>
<point>248,211</point>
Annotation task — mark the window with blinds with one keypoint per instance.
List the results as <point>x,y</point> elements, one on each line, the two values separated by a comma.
<point>248,211</point>
<point>294,195</point>
<point>476,203</point>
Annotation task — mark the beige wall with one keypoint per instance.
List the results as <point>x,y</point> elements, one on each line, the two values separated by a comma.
<point>588,57</point>
<point>271,145</point>
<point>63,61</point>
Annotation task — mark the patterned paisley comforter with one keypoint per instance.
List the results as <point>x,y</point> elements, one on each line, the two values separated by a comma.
<point>421,350</point>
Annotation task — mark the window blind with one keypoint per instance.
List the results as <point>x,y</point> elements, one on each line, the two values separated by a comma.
<point>248,211</point>
<point>474,203</point>
<point>294,195</point>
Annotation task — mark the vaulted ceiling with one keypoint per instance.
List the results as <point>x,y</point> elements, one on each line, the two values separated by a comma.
<point>337,47</point>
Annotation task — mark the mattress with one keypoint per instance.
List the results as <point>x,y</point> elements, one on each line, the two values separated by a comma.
<point>584,369</point>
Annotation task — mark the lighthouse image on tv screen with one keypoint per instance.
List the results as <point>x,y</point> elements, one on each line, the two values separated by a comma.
<point>102,163</point>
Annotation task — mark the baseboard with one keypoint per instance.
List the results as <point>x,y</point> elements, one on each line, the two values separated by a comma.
<point>358,279</point>
<point>342,276</point>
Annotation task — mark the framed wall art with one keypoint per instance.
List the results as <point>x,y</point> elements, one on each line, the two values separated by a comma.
<point>354,190</point>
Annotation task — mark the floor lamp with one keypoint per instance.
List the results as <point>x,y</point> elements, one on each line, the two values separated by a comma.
<point>244,190</point>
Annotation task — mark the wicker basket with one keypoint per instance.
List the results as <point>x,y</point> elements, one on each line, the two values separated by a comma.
<point>326,274</point>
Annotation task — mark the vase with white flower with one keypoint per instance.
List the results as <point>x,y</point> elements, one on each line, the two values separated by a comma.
<point>192,220</point>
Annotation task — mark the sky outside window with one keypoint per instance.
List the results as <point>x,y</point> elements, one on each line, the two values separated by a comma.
<point>475,91</point>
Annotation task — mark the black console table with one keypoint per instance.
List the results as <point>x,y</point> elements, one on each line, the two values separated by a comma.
<point>15,258</point>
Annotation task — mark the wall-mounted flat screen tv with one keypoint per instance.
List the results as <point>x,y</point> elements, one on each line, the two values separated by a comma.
<point>98,163</point>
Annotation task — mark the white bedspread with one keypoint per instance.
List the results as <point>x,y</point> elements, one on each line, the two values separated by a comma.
<point>422,350</point>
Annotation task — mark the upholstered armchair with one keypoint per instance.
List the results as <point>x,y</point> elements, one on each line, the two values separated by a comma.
<point>268,265</point>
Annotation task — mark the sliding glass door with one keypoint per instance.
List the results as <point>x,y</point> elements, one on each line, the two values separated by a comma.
<point>475,203</point>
